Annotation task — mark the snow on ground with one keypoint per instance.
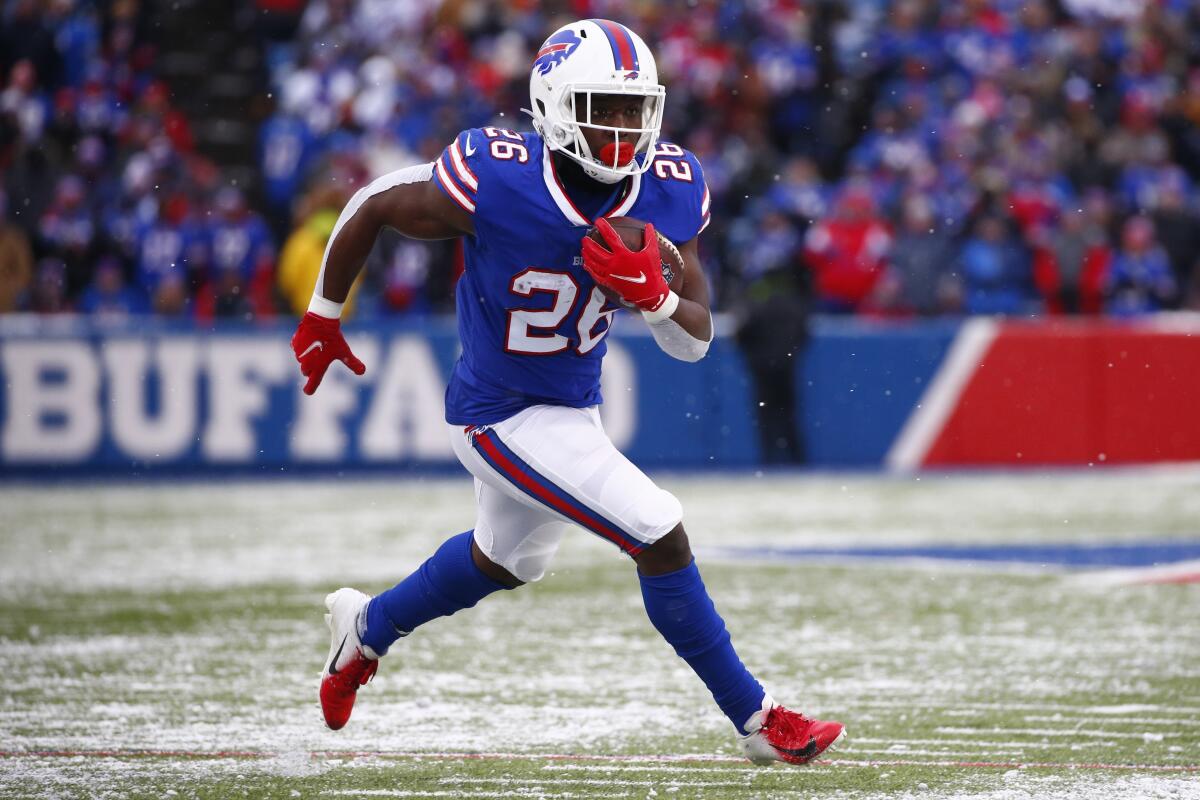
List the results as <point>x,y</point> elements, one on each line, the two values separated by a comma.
<point>318,531</point>
<point>899,651</point>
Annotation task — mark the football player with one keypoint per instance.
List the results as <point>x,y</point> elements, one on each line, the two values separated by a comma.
<point>521,403</point>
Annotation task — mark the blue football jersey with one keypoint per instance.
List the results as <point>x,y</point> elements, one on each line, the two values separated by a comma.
<point>531,320</point>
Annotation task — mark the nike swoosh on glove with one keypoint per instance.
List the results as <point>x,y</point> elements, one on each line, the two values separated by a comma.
<point>317,343</point>
<point>636,275</point>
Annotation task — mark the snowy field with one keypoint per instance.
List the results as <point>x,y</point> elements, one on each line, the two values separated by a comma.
<point>982,636</point>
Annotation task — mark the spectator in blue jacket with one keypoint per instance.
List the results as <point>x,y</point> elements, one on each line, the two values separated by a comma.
<point>108,295</point>
<point>995,270</point>
<point>1141,279</point>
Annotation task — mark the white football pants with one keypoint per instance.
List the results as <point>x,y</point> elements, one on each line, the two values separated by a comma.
<point>548,467</point>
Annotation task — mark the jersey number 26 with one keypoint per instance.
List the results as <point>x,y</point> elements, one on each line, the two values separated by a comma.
<point>534,332</point>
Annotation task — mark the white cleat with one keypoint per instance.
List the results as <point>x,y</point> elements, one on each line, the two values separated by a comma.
<point>350,663</point>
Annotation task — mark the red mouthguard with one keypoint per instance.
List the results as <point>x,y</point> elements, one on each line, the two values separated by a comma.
<point>624,153</point>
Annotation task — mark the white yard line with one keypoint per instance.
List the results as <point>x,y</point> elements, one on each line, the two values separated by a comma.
<point>556,781</point>
<point>901,745</point>
<point>600,762</point>
<point>1187,711</point>
<point>1068,732</point>
<point>1163,573</point>
<point>526,793</point>
<point>1113,720</point>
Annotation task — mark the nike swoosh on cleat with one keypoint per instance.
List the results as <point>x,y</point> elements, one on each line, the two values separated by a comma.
<point>470,148</point>
<point>333,670</point>
<point>639,279</point>
<point>806,752</point>
<point>309,349</point>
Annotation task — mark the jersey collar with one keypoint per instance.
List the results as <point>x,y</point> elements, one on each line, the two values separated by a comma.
<point>576,217</point>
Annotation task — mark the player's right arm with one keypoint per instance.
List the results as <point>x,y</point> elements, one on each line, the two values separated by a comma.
<point>418,209</point>
<point>408,200</point>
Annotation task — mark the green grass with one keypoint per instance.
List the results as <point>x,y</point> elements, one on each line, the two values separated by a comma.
<point>165,642</point>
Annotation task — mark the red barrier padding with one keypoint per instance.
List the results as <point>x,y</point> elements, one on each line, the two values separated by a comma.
<point>1076,394</point>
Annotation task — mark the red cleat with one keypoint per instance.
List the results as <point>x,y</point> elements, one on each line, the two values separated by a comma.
<point>351,664</point>
<point>778,734</point>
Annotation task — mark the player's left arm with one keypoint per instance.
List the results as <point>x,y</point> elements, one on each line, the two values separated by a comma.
<point>687,332</point>
<point>693,314</point>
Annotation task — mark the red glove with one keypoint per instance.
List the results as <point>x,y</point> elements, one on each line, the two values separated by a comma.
<point>636,275</point>
<point>317,343</point>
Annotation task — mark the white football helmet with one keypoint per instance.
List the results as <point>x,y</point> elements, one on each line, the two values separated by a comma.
<point>594,57</point>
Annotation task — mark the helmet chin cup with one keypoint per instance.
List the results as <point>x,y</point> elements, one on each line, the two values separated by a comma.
<point>602,174</point>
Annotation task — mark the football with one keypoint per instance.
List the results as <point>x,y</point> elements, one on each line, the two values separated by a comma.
<point>632,232</point>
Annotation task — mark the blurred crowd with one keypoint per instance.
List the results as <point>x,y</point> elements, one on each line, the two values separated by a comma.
<point>106,206</point>
<point>919,157</point>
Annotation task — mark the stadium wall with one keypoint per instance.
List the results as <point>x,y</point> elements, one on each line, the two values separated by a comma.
<point>85,396</point>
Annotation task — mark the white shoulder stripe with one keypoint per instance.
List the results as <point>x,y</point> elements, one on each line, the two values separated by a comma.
<point>453,190</point>
<point>418,173</point>
<point>460,168</point>
<point>706,201</point>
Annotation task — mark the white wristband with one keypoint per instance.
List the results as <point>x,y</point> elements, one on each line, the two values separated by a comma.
<point>664,311</point>
<point>325,308</point>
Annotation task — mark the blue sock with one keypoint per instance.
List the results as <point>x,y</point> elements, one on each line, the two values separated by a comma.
<point>679,607</point>
<point>447,582</point>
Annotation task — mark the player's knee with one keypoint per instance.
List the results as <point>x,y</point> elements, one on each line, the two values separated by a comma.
<point>493,570</point>
<point>659,510</point>
<point>671,553</point>
<point>529,568</point>
<point>525,561</point>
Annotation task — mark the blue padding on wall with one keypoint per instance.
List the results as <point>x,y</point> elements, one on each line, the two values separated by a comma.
<point>860,383</point>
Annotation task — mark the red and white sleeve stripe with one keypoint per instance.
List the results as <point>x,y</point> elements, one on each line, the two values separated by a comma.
<point>454,175</point>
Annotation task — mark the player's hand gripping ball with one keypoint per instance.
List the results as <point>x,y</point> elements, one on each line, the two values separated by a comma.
<point>633,264</point>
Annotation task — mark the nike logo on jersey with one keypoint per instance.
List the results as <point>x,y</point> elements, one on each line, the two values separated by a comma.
<point>311,347</point>
<point>470,148</point>
<point>639,279</point>
<point>333,670</point>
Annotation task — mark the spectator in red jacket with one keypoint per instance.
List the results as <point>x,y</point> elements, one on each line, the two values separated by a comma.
<point>847,252</point>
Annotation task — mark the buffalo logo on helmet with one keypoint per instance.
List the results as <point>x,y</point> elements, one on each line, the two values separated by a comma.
<point>557,49</point>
